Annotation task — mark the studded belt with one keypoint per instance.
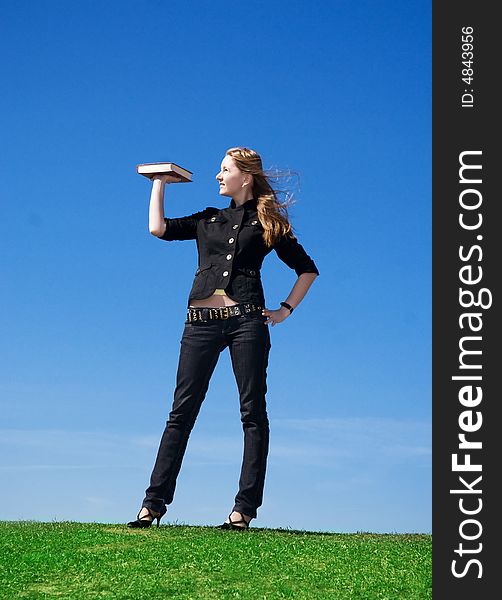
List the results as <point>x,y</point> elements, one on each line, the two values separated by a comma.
<point>207,313</point>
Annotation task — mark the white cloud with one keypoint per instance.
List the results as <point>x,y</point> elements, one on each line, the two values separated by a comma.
<point>317,442</point>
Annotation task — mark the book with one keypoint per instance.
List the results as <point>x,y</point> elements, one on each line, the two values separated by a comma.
<point>151,169</point>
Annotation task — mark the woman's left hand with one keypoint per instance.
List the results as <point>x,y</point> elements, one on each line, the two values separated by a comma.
<point>275,316</point>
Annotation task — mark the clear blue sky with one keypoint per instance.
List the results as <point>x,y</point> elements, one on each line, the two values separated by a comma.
<point>92,305</point>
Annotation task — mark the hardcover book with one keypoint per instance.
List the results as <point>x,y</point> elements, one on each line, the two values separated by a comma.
<point>151,169</point>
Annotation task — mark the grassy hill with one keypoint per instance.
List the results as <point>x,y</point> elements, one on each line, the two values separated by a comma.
<point>70,560</point>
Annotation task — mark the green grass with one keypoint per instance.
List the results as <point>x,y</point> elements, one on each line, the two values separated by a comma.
<point>70,560</point>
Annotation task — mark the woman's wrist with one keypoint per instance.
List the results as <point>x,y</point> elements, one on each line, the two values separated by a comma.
<point>287,307</point>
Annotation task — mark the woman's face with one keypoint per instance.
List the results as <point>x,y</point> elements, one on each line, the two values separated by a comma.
<point>232,181</point>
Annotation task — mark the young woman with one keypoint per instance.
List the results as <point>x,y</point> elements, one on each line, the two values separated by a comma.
<point>226,308</point>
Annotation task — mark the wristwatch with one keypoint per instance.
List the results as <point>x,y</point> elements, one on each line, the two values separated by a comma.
<point>291,309</point>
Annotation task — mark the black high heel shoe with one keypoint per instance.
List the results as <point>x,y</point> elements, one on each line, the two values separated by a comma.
<point>233,524</point>
<point>142,523</point>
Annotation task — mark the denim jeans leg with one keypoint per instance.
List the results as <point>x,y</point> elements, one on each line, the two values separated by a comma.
<point>249,351</point>
<point>201,346</point>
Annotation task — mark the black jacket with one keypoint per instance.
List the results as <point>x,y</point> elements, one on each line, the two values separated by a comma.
<point>231,251</point>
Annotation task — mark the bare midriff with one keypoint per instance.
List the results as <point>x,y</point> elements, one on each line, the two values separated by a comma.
<point>219,298</point>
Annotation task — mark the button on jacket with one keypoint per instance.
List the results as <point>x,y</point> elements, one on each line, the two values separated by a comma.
<point>231,251</point>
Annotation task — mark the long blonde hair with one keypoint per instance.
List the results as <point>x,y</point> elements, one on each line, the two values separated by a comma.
<point>272,214</point>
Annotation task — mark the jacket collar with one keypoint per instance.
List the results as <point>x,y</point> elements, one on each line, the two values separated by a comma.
<point>249,204</point>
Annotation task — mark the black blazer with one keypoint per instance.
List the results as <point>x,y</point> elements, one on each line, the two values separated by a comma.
<point>231,251</point>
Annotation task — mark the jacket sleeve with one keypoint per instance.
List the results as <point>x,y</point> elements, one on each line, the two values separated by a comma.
<point>291,252</point>
<point>185,228</point>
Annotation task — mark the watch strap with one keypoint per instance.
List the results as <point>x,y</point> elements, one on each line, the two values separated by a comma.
<point>291,309</point>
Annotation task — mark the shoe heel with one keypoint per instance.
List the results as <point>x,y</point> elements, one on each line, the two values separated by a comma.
<point>146,522</point>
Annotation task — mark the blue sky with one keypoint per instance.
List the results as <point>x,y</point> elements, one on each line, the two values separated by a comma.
<point>92,305</point>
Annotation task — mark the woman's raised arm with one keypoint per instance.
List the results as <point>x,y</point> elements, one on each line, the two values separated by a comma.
<point>156,222</point>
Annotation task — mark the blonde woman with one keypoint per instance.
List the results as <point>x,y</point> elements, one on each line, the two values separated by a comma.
<point>226,308</point>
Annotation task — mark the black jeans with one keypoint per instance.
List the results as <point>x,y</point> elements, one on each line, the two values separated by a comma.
<point>248,339</point>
